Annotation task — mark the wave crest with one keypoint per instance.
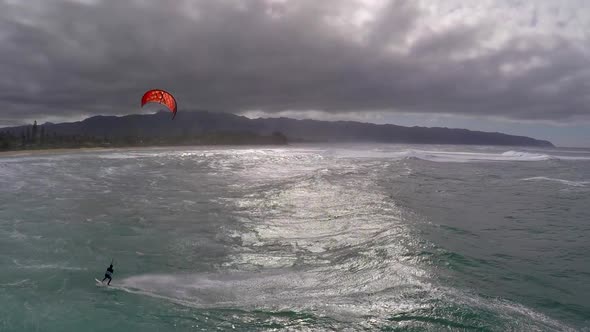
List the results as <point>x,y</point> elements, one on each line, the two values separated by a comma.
<point>562,181</point>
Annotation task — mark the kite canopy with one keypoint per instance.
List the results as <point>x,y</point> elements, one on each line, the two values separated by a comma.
<point>160,97</point>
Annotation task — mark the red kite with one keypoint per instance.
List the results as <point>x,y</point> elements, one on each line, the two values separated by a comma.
<point>160,97</point>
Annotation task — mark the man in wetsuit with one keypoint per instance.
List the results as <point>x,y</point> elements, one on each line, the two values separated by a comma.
<point>109,274</point>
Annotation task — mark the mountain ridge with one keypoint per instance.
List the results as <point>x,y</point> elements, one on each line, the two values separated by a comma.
<point>204,122</point>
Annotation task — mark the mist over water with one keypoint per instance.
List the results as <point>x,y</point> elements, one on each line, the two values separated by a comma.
<point>308,237</point>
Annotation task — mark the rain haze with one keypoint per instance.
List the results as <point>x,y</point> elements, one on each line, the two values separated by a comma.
<point>508,66</point>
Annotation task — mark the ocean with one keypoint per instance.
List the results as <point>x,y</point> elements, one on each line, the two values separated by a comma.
<point>364,237</point>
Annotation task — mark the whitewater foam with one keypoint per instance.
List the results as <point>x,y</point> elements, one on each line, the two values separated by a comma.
<point>527,156</point>
<point>456,156</point>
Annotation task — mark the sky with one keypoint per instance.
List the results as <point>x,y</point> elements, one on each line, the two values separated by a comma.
<point>519,67</point>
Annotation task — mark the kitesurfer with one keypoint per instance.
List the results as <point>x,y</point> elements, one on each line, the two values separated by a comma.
<point>109,274</point>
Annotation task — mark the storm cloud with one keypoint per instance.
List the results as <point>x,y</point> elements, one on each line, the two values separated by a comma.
<point>72,58</point>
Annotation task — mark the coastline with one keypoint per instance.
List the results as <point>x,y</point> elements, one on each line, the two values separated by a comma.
<point>35,152</point>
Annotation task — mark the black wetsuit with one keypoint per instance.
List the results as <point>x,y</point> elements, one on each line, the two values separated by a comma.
<point>109,275</point>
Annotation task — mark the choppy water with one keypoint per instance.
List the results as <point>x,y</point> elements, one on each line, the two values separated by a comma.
<point>366,237</point>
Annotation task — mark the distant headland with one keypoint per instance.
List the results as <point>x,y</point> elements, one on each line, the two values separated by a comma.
<point>217,128</point>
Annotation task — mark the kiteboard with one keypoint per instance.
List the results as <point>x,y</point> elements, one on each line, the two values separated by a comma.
<point>99,283</point>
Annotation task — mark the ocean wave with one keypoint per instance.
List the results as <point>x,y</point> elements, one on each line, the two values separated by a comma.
<point>562,181</point>
<point>15,284</point>
<point>527,156</point>
<point>458,156</point>
<point>48,266</point>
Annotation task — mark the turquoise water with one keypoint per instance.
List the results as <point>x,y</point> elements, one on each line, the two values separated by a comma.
<point>304,238</point>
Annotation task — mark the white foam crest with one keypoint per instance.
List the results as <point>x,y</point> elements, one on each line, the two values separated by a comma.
<point>47,266</point>
<point>14,284</point>
<point>455,156</point>
<point>198,152</point>
<point>527,156</point>
<point>562,181</point>
<point>15,234</point>
<point>121,155</point>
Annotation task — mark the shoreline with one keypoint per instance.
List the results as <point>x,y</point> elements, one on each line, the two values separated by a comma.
<point>31,152</point>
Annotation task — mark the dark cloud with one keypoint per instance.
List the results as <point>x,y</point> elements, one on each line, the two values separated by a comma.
<point>63,58</point>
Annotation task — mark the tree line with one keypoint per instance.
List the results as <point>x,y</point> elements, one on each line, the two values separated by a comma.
<point>38,137</point>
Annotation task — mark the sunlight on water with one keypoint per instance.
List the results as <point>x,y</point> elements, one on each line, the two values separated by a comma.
<point>299,238</point>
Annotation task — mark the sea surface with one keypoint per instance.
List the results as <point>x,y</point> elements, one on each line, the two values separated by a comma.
<point>300,238</point>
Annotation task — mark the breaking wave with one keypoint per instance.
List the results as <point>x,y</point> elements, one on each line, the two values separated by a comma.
<point>458,157</point>
<point>566,182</point>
